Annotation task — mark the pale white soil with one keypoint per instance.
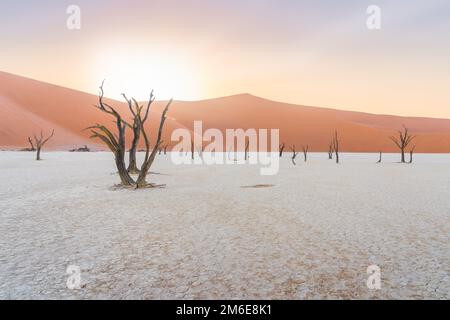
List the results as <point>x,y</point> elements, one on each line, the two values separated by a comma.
<point>310,235</point>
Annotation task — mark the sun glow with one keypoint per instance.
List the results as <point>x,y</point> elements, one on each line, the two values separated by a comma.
<point>136,76</point>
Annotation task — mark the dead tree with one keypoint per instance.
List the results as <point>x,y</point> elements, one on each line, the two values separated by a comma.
<point>165,149</point>
<point>305,152</point>
<point>160,151</point>
<point>411,152</point>
<point>247,144</point>
<point>330,151</point>
<point>403,140</point>
<point>136,126</point>
<point>335,145</point>
<point>281,148</point>
<point>116,141</point>
<point>192,149</point>
<point>294,155</point>
<point>381,155</point>
<point>39,142</point>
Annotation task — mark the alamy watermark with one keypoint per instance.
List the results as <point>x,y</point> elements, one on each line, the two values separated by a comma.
<point>373,21</point>
<point>374,279</point>
<point>74,280</point>
<point>238,146</point>
<point>73,21</point>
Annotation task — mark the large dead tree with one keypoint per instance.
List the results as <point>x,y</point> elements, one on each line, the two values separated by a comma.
<point>402,142</point>
<point>305,152</point>
<point>116,141</point>
<point>39,142</point>
<point>335,144</point>
<point>136,126</point>
<point>294,155</point>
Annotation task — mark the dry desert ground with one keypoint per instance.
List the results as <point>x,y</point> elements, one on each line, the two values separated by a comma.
<point>311,233</point>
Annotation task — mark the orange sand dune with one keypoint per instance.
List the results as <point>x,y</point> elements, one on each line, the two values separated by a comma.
<point>301,125</point>
<point>28,106</point>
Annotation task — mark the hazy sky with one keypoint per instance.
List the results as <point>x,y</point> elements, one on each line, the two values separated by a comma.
<point>312,52</point>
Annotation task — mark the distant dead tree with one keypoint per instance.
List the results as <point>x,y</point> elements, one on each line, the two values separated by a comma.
<point>165,149</point>
<point>281,149</point>
<point>335,144</point>
<point>330,151</point>
<point>246,150</point>
<point>116,141</point>
<point>294,155</point>
<point>136,126</point>
<point>160,150</point>
<point>381,155</point>
<point>39,142</point>
<point>192,149</point>
<point>403,140</point>
<point>305,152</point>
<point>411,152</point>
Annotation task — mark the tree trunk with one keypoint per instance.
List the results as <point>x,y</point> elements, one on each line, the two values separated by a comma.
<point>403,155</point>
<point>132,165</point>
<point>125,177</point>
<point>141,181</point>
<point>38,153</point>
